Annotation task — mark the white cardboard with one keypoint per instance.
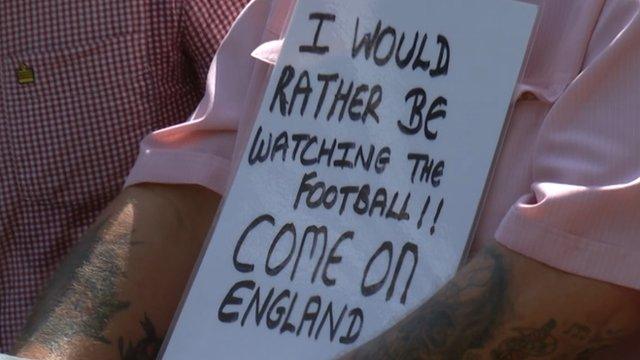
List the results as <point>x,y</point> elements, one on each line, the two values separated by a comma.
<point>487,44</point>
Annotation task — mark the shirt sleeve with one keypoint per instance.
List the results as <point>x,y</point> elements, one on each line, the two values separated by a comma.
<point>583,212</point>
<point>200,150</point>
<point>203,26</point>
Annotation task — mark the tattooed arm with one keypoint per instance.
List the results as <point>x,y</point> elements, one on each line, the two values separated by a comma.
<point>505,306</point>
<point>115,295</point>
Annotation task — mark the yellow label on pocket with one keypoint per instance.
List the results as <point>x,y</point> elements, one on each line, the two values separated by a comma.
<point>25,75</point>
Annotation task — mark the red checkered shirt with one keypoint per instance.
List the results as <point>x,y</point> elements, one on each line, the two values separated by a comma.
<point>81,82</point>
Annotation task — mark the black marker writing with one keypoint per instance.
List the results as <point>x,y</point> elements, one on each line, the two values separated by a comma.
<point>426,169</point>
<point>344,99</point>
<point>437,110</point>
<point>279,310</point>
<point>370,287</point>
<point>385,43</point>
<point>315,48</point>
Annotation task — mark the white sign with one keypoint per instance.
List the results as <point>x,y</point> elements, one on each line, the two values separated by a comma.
<point>360,184</point>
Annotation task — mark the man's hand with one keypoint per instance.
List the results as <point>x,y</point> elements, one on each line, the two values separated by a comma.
<point>505,306</point>
<point>116,293</point>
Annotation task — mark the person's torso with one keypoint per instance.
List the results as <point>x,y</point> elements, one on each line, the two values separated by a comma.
<point>81,82</point>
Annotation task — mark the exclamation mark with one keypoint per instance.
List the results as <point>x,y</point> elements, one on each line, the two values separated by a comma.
<point>424,210</point>
<point>435,219</point>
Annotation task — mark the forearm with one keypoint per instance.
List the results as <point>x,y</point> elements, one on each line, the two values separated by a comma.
<point>117,291</point>
<point>505,306</point>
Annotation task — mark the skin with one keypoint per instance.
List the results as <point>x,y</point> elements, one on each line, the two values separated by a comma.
<point>115,296</point>
<point>504,306</point>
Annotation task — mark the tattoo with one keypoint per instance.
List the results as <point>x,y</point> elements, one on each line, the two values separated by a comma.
<point>599,343</point>
<point>578,331</point>
<point>146,348</point>
<point>82,296</point>
<point>460,317</point>
<point>579,341</point>
<point>466,317</point>
<point>530,342</point>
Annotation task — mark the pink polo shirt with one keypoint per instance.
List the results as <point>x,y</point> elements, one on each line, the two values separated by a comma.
<point>566,190</point>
